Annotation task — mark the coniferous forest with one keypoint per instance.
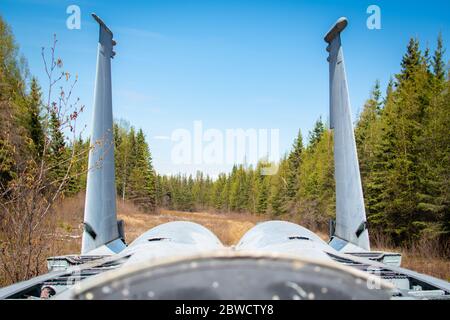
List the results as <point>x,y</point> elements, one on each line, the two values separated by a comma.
<point>402,135</point>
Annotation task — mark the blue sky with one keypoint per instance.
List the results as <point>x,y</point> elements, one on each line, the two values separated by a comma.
<point>230,64</point>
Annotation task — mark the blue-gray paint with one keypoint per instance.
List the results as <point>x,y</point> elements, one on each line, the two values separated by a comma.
<point>350,211</point>
<point>171,240</point>
<point>285,238</point>
<point>100,207</point>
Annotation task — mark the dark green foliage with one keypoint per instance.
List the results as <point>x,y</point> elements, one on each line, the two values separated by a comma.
<point>34,120</point>
<point>411,62</point>
<point>135,176</point>
<point>79,168</point>
<point>142,177</point>
<point>404,150</point>
<point>263,193</point>
<point>278,192</point>
<point>57,153</point>
<point>238,200</point>
<point>438,62</point>
<point>316,133</point>
<point>315,198</point>
<point>294,162</point>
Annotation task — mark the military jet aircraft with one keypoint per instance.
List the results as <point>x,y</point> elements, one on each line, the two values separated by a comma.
<point>184,260</point>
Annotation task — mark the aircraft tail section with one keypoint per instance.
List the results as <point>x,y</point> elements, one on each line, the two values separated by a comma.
<point>351,225</point>
<point>100,217</point>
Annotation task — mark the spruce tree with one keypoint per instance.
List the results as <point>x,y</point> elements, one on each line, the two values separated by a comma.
<point>438,63</point>
<point>411,62</point>
<point>79,169</point>
<point>366,130</point>
<point>142,176</point>
<point>316,133</point>
<point>278,193</point>
<point>262,189</point>
<point>294,161</point>
<point>57,149</point>
<point>263,195</point>
<point>34,123</point>
<point>368,135</point>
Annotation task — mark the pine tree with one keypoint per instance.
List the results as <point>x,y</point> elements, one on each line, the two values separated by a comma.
<point>263,195</point>
<point>278,191</point>
<point>315,195</point>
<point>251,190</point>
<point>238,190</point>
<point>130,155</point>
<point>142,176</point>
<point>57,149</point>
<point>294,161</point>
<point>366,131</point>
<point>316,133</point>
<point>124,140</point>
<point>79,169</point>
<point>411,62</point>
<point>225,195</point>
<point>34,124</point>
<point>218,188</point>
<point>262,189</point>
<point>438,60</point>
<point>371,155</point>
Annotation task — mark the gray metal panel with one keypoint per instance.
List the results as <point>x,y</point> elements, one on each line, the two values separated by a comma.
<point>350,211</point>
<point>172,239</point>
<point>272,232</point>
<point>287,238</point>
<point>181,232</point>
<point>100,208</point>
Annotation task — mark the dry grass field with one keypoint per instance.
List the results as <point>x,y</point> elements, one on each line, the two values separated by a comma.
<point>228,227</point>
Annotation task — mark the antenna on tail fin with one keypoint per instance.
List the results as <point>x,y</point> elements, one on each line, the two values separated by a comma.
<point>351,225</point>
<point>100,218</point>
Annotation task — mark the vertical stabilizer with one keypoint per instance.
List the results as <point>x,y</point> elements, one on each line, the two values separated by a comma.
<point>351,223</point>
<point>100,218</point>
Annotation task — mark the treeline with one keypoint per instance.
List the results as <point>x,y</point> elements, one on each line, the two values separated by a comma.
<point>403,142</point>
<point>135,176</point>
<point>404,149</point>
<point>303,184</point>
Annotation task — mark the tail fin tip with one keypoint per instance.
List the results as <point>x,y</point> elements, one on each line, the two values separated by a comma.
<point>336,29</point>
